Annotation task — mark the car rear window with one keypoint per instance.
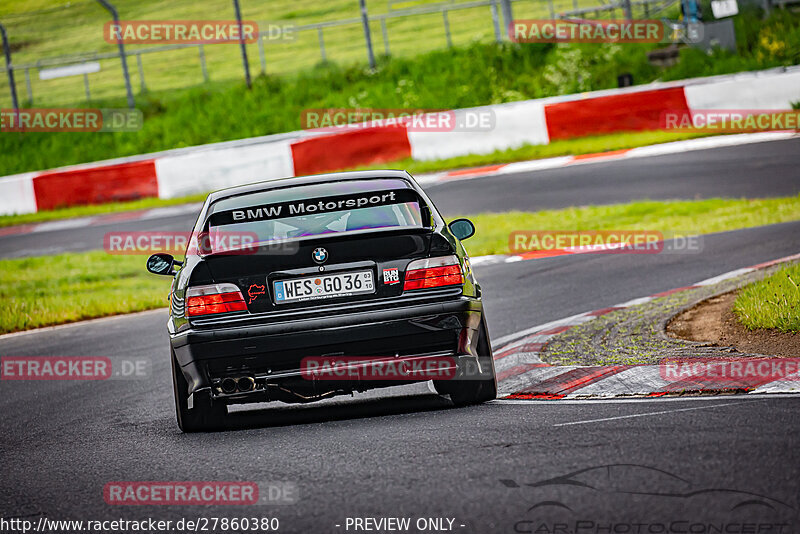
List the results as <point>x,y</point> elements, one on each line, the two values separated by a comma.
<point>307,211</point>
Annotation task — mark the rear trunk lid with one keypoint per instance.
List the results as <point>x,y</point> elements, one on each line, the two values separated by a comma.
<point>352,263</point>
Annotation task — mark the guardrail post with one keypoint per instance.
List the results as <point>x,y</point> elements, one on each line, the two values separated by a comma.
<point>496,22</point>
<point>28,85</point>
<point>321,44</point>
<point>262,54</point>
<point>241,44</point>
<point>367,33</point>
<point>447,28</point>
<point>626,8</point>
<point>141,72</point>
<point>9,67</point>
<point>122,56</point>
<point>385,33</point>
<point>508,15</point>
<point>203,62</point>
<point>86,87</point>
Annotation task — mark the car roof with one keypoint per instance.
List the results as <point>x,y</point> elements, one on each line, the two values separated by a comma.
<point>275,183</point>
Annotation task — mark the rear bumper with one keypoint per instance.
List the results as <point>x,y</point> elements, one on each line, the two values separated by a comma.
<point>272,353</point>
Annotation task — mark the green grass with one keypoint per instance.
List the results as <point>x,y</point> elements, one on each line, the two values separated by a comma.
<point>70,287</point>
<point>48,28</point>
<point>583,145</point>
<point>681,217</point>
<point>471,74</point>
<point>45,291</point>
<point>773,302</point>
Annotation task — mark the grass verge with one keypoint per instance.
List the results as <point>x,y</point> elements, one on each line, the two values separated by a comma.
<point>773,302</point>
<point>96,209</point>
<point>70,287</point>
<point>51,290</point>
<point>583,145</point>
<point>684,217</point>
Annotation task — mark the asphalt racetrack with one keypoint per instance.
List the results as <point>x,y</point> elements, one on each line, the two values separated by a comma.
<point>767,169</point>
<point>666,465</point>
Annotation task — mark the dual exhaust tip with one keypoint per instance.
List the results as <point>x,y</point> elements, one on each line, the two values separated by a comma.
<point>231,385</point>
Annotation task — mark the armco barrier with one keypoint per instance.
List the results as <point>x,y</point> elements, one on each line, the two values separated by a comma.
<point>95,185</point>
<point>616,113</point>
<point>766,90</point>
<point>206,170</point>
<point>203,168</point>
<point>350,149</point>
<point>515,124</point>
<point>17,195</point>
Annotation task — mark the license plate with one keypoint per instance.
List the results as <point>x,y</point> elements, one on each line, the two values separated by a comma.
<point>324,286</point>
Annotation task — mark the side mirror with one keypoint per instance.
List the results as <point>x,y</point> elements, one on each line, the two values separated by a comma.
<point>462,228</point>
<point>162,264</point>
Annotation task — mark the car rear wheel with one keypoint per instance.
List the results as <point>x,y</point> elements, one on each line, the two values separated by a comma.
<point>204,415</point>
<point>474,391</point>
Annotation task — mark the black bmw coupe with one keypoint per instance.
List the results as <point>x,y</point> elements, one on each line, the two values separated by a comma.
<point>304,288</point>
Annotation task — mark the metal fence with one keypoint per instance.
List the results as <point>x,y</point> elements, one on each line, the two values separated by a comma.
<point>57,37</point>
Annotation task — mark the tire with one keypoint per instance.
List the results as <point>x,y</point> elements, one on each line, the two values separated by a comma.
<point>469,392</point>
<point>205,415</point>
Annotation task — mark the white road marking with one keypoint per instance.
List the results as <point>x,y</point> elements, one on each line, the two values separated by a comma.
<point>64,224</point>
<point>572,320</point>
<point>634,302</point>
<point>642,400</point>
<point>171,211</point>
<point>725,276</point>
<point>663,412</point>
<point>660,149</point>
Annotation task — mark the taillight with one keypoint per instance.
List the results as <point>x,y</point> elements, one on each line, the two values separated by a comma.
<point>216,298</point>
<point>433,272</point>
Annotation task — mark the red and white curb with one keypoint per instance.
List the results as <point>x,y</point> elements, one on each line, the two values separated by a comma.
<point>661,149</point>
<point>521,373</point>
<point>449,176</point>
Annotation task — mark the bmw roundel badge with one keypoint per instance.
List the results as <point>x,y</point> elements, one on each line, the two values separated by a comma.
<point>320,255</point>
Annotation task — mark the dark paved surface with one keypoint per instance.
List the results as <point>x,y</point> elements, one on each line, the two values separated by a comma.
<point>757,170</point>
<point>411,454</point>
<point>767,169</point>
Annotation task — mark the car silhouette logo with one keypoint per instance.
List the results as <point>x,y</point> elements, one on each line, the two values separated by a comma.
<point>320,255</point>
